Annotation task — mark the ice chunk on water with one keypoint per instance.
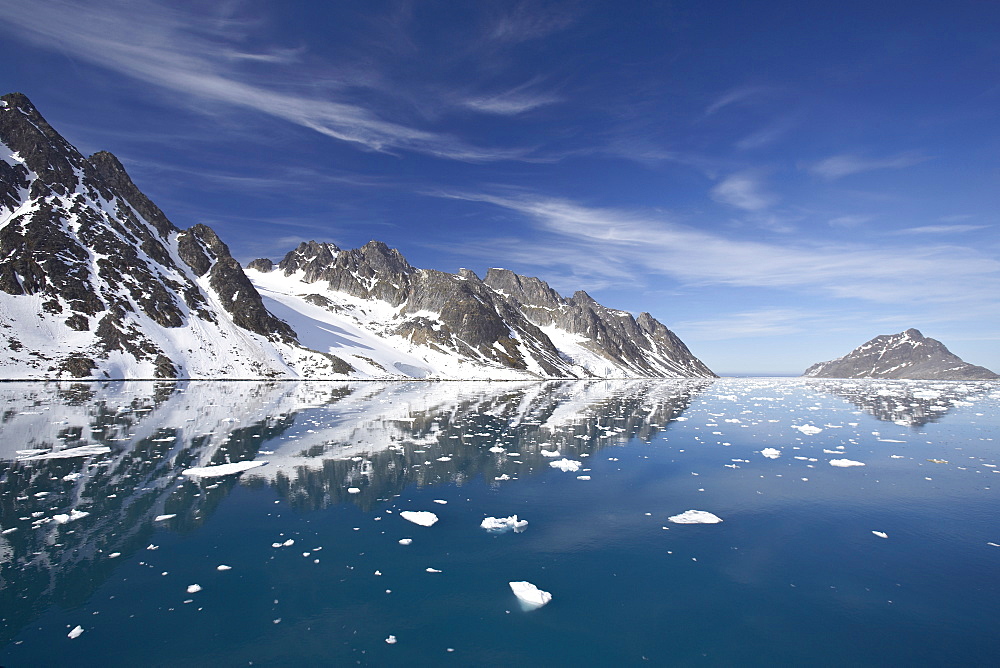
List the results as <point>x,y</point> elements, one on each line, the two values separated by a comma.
<point>405,541</point>
<point>73,515</point>
<point>391,640</point>
<point>194,589</point>
<point>549,453</point>
<point>76,632</point>
<point>80,451</point>
<point>881,534</point>
<point>223,567</point>
<point>844,463</point>
<point>807,429</point>
<point>161,518</point>
<point>504,524</point>
<point>695,517</point>
<point>568,465</point>
<point>353,490</point>
<point>424,518</point>
<point>771,453</point>
<point>531,597</point>
<point>221,469</point>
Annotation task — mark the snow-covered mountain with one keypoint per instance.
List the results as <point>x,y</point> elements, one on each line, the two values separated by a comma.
<point>96,282</point>
<point>908,354</point>
<point>369,306</point>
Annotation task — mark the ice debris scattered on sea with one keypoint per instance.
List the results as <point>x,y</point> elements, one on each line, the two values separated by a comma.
<point>771,453</point>
<point>424,518</point>
<point>221,469</point>
<point>695,517</point>
<point>530,596</point>
<point>499,524</point>
<point>807,429</point>
<point>63,518</point>
<point>568,465</point>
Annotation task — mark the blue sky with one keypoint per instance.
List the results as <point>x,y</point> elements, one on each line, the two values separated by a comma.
<point>777,182</point>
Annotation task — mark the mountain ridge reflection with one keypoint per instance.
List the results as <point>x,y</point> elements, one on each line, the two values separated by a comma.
<point>61,518</point>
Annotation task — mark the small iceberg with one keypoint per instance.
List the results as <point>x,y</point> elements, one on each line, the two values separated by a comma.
<point>75,633</point>
<point>807,429</point>
<point>501,524</point>
<point>424,518</point>
<point>695,517</point>
<point>531,597</point>
<point>221,469</point>
<point>80,451</point>
<point>771,453</point>
<point>568,465</point>
<point>844,463</point>
<point>881,534</point>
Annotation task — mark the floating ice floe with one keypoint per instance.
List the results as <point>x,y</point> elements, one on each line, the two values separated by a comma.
<point>499,524</point>
<point>771,453</point>
<point>405,541</point>
<point>391,640</point>
<point>531,597</point>
<point>162,518</point>
<point>432,570</point>
<point>223,567</point>
<point>80,451</point>
<point>807,429</point>
<point>844,463</point>
<point>75,633</point>
<point>73,515</point>
<point>881,534</point>
<point>424,518</point>
<point>194,589</point>
<point>353,490</point>
<point>568,465</point>
<point>695,517</point>
<point>221,469</point>
<point>549,453</point>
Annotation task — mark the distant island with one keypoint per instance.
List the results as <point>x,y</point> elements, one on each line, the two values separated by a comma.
<point>909,355</point>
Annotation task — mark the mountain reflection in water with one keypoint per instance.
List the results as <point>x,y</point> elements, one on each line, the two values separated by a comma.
<point>320,441</point>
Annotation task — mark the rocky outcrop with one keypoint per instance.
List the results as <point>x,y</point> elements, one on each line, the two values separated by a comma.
<point>122,291</point>
<point>908,354</point>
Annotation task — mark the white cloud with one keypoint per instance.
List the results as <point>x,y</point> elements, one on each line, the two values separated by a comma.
<point>197,62</point>
<point>743,191</point>
<point>850,220</point>
<point>838,166</point>
<point>616,246</point>
<point>509,103</point>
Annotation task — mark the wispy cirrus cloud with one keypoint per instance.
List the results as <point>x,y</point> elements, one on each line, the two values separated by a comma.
<point>839,166</point>
<point>615,245</point>
<point>509,103</point>
<point>204,62</point>
<point>942,229</point>
<point>743,190</point>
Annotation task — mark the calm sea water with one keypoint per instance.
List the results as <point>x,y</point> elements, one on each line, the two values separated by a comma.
<point>112,556</point>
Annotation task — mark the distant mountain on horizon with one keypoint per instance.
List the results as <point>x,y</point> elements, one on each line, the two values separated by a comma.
<point>907,355</point>
<point>97,283</point>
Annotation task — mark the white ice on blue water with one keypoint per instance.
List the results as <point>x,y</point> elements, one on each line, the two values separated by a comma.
<point>424,518</point>
<point>530,596</point>
<point>695,517</point>
<point>771,453</point>
<point>568,465</point>
<point>499,524</point>
<point>221,469</point>
<point>80,451</point>
<point>845,463</point>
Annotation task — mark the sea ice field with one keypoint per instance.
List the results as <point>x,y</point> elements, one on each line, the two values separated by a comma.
<point>738,521</point>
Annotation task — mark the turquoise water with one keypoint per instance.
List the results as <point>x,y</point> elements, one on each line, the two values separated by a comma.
<point>794,575</point>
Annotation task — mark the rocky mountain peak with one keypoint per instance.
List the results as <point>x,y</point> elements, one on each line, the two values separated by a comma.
<point>908,354</point>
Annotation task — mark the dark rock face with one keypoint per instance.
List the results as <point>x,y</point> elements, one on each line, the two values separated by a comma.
<point>79,235</point>
<point>499,319</point>
<point>908,354</point>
